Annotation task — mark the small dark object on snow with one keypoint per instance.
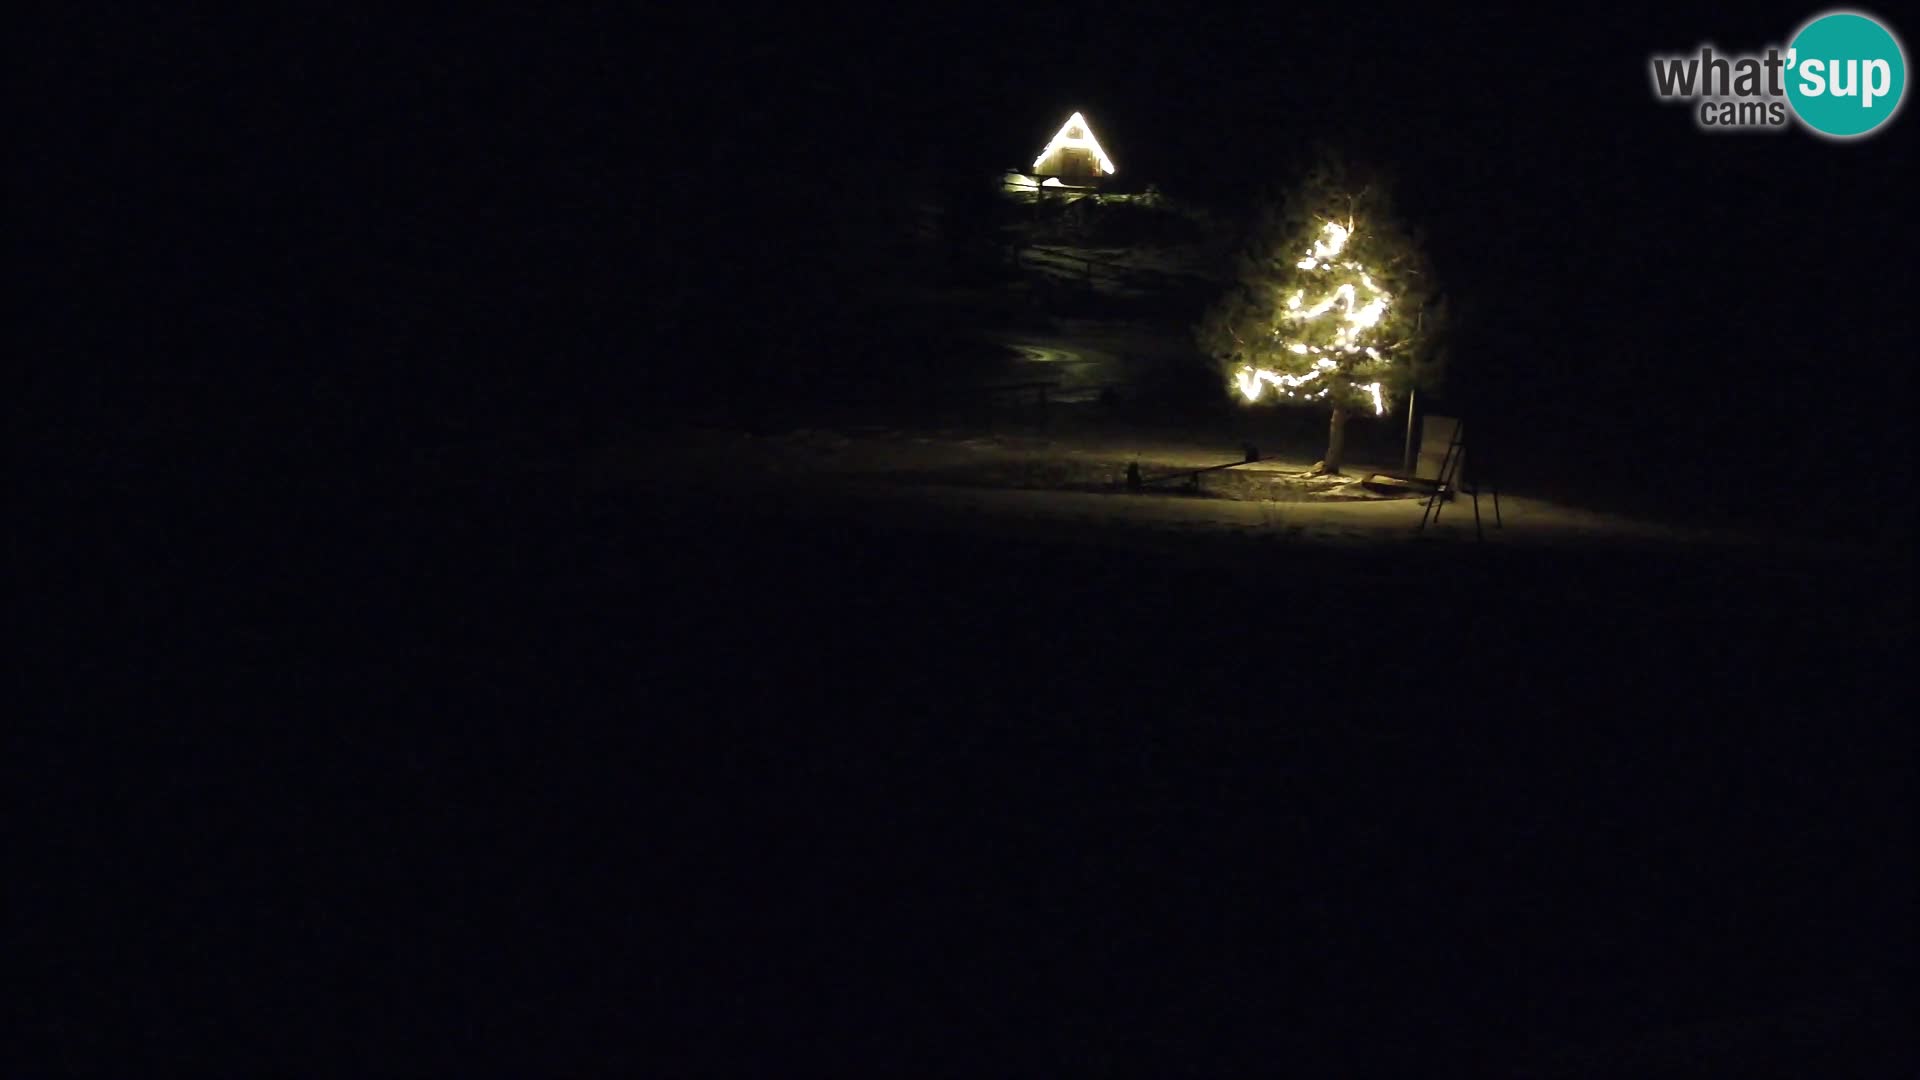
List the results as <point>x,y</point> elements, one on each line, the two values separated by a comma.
<point>1252,451</point>
<point>1133,476</point>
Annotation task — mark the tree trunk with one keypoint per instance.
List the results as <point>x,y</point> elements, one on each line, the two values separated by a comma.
<point>1336,442</point>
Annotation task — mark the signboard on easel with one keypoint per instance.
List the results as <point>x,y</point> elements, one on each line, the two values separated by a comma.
<point>1436,435</point>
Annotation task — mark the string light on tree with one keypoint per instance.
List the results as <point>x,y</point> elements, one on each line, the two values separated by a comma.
<point>1329,305</point>
<point>1351,320</point>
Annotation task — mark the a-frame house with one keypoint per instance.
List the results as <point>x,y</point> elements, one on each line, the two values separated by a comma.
<point>1074,157</point>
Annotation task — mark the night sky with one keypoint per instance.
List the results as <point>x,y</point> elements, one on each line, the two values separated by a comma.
<point>1603,250</point>
<point>393,198</point>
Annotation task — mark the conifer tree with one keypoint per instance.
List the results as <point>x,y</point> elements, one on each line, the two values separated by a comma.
<point>1334,305</point>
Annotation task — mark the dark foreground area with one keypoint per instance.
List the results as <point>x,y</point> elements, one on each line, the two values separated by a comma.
<point>373,775</point>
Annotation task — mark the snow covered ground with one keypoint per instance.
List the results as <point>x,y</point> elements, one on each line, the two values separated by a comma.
<point>1114,272</point>
<point>1072,486</point>
<point>1169,261</point>
<point>1660,785</point>
<point>1085,356</point>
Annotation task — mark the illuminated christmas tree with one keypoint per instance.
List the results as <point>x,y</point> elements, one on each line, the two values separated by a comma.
<point>1332,306</point>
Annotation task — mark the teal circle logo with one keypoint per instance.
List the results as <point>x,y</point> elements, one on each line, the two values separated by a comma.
<point>1845,74</point>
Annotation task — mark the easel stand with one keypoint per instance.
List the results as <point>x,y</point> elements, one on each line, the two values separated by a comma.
<point>1451,469</point>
